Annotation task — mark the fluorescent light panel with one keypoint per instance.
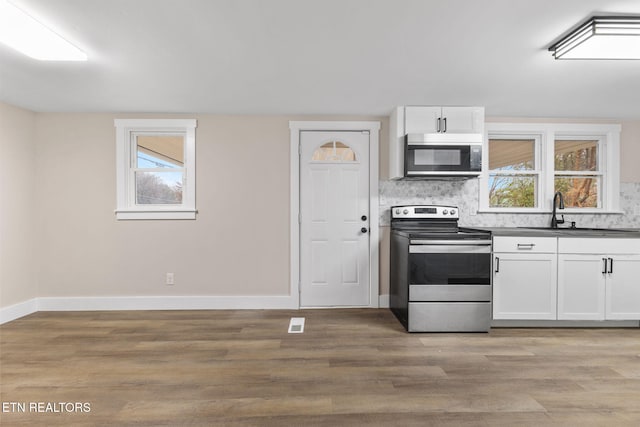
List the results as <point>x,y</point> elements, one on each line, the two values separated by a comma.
<point>25,34</point>
<point>601,38</point>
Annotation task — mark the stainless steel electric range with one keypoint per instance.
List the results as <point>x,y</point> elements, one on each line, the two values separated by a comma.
<point>440,278</point>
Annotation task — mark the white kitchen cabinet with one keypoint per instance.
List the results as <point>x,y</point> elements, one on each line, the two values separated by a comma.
<point>427,119</point>
<point>622,292</point>
<point>524,278</point>
<point>581,287</point>
<point>598,279</point>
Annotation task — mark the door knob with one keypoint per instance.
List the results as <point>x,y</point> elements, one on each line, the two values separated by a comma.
<point>363,217</point>
<point>364,229</point>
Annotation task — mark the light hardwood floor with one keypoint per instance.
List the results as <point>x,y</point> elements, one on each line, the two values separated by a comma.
<point>351,367</point>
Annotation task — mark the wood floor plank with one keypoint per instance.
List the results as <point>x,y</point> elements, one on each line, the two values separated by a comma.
<point>350,367</point>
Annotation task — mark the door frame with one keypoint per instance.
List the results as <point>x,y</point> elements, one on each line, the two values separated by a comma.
<point>373,128</point>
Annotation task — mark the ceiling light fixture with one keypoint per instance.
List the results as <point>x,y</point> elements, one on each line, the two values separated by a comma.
<point>22,32</point>
<point>601,37</point>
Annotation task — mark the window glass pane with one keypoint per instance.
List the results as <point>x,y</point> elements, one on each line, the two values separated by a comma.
<point>579,191</point>
<point>160,151</point>
<point>576,155</point>
<point>334,151</point>
<point>158,188</point>
<point>512,154</point>
<point>512,191</point>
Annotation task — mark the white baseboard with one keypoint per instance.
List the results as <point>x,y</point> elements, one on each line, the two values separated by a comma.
<point>166,303</point>
<point>15,311</point>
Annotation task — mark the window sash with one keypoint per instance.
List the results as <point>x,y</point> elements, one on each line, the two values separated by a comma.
<point>126,155</point>
<point>535,172</point>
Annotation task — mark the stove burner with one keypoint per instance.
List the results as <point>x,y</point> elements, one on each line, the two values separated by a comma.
<point>419,221</point>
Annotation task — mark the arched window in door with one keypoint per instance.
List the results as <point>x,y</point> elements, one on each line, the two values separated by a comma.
<point>334,151</point>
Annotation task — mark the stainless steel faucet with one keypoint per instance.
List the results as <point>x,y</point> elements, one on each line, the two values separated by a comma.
<point>555,221</point>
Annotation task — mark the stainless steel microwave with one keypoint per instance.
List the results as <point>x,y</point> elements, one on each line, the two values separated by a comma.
<point>426,156</point>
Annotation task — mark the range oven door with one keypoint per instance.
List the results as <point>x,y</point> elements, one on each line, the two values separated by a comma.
<point>449,286</point>
<point>452,270</point>
<point>442,158</point>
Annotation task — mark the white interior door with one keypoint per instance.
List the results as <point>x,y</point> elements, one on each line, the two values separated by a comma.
<point>334,218</point>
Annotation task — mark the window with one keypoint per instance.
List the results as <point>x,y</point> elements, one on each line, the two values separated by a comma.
<point>334,151</point>
<point>514,173</point>
<point>577,172</point>
<point>156,169</point>
<point>525,164</point>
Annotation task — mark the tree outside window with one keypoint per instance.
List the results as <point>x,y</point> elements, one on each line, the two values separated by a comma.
<point>513,179</point>
<point>576,172</point>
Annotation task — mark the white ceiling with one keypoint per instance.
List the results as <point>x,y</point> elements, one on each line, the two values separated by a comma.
<point>321,57</point>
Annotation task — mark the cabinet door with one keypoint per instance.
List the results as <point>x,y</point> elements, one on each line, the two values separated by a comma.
<point>524,286</point>
<point>421,119</point>
<point>623,288</point>
<point>581,287</point>
<point>463,119</point>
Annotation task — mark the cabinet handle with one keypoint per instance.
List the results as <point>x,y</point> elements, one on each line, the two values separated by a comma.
<point>497,265</point>
<point>445,124</point>
<point>438,126</point>
<point>610,265</point>
<point>526,245</point>
<point>604,268</point>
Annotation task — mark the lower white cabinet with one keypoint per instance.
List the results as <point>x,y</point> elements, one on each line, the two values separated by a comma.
<point>581,287</point>
<point>622,292</point>
<point>524,278</point>
<point>598,279</point>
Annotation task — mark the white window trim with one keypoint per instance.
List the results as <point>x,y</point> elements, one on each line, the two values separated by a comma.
<point>126,208</point>
<point>609,134</point>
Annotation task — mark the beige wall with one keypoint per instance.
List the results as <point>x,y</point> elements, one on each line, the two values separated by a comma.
<point>231,249</point>
<point>17,179</point>
<point>238,245</point>
<point>630,152</point>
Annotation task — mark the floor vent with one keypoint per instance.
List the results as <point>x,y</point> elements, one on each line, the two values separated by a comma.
<point>296,325</point>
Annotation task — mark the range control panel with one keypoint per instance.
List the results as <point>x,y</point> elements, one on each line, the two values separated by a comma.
<point>424,211</point>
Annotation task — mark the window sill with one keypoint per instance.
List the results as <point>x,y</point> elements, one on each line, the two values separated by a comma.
<point>545,212</point>
<point>156,214</point>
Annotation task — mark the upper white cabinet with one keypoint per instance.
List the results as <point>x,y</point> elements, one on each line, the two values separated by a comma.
<point>444,120</point>
<point>434,120</point>
<point>598,279</point>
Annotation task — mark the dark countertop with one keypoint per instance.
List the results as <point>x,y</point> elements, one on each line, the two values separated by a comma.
<point>564,232</point>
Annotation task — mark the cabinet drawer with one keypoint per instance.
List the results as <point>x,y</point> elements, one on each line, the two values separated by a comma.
<point>449,317</point>
<point>598,246</point>
<point>525,244</point>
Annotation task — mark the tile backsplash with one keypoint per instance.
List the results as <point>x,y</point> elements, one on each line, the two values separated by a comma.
<point>464,195</point>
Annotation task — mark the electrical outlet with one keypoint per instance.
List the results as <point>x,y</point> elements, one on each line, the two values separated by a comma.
<point>636,210</point>
<point>170,280</point>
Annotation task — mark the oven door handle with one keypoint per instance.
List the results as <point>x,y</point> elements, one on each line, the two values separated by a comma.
<point>450,249</point>
<point>451,242</point>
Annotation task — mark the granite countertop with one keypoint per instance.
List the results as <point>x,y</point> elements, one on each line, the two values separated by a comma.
<point>564,232</point>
